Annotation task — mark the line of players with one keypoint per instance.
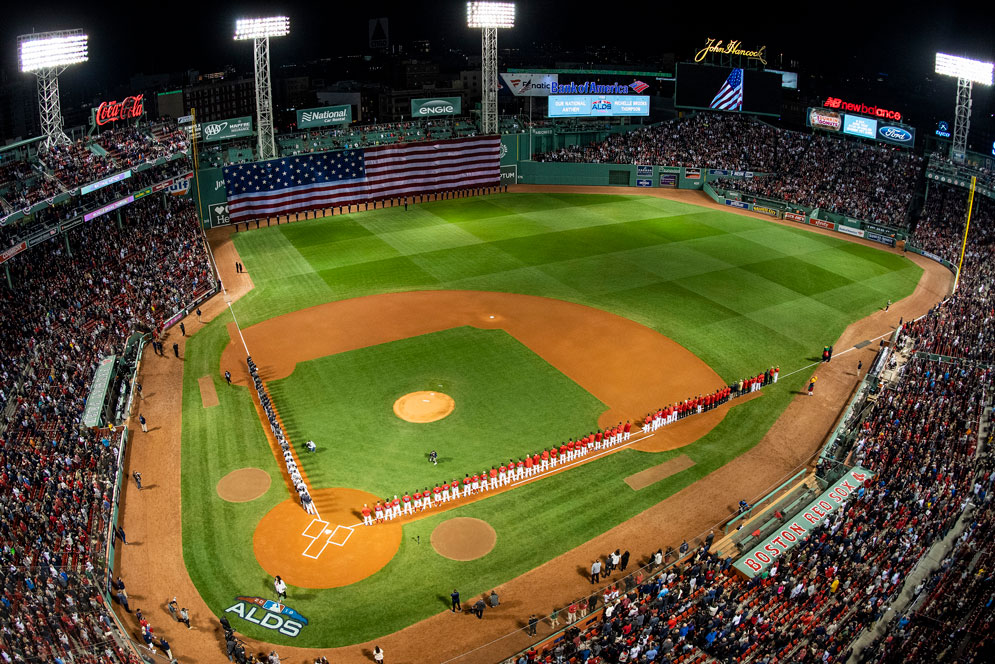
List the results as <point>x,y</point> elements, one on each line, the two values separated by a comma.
<point>498,476</point>
<point>701,403</point>
<point>288,457</point>
<point>548,459</point>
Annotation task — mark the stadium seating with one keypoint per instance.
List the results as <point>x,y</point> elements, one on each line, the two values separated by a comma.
<point>865,181</point>
<point>57,480</point>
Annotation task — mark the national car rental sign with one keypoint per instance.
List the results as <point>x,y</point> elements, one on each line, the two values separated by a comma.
<point>792,532</point>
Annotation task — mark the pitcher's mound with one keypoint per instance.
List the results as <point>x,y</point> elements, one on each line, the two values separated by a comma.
<point>421,407</point>
<point>463,538</point>
<point>243,485</point>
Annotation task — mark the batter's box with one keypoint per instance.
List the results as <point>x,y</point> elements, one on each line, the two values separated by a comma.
<point>340,540</point>
<point>321,536</point>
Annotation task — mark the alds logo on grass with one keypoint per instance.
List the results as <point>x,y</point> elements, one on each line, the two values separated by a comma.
<point>269,614</point>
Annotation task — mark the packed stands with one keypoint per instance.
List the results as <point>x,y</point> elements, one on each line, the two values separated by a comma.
<point>57,480</point>
<point>870,182</point>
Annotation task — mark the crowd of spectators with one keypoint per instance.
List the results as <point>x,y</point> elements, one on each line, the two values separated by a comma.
<point>954,602</point>
<point>131,146</point>
<point>870,182</point>
<point>56,479</point>
<point>963,327</point>
<point>67,167</point>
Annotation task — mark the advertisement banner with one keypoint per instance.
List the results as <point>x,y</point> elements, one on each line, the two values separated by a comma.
<point>670,169</point>
<point>327,115</point>
<point>219,215</point>
<point>10,252</point>
<point>583,106</point>
<point>900,135</point>
<point>643,171</point>
<point>529,85</point>
<point>795,217</point>
<point>219,130</point>
<point>692,173</point>
<point>432,106</point>
<point>770,212</point>
<point>848,230</point>
<point>828,225</point>
<point>809,519</point>
<point>856,125</point>
<point>738,204</point>
<point>718,171</point>
<point>123,175</point>
<point>130,108</point>
<point>883,239</point>
<point>509,174</point>
<point>820,118</point>
<point>668,180</point>
<point>108,208</point>
<point>644,182</point>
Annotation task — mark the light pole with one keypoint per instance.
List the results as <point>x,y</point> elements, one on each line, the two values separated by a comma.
<point>489,16</point>
<point>46,55</point>
<point>967,72</point>
<point>259,30</point>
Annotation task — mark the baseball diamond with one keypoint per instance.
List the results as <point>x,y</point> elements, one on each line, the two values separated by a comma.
<point>345,315</point>
<point>685,373</point>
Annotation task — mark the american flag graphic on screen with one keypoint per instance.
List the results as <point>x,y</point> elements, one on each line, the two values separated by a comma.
<point>730,96</point>
<point>345,177</point>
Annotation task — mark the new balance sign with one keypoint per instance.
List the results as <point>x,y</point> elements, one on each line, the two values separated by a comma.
<point>423,108</point>
<point>319,117</point>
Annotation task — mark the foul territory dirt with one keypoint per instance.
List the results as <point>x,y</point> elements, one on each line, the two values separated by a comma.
<point>152,564</point>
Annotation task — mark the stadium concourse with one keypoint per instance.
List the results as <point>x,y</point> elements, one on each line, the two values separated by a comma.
<point>78,298</point>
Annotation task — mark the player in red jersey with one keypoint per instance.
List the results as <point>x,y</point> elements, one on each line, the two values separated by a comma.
<point>544,460</point>
<point>367,515</point>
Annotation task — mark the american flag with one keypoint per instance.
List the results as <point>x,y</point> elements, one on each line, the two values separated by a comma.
<point>730,96</point>
<point>346,177</point>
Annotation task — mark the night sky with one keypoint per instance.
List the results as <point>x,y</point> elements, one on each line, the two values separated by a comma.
<point>160,37</point>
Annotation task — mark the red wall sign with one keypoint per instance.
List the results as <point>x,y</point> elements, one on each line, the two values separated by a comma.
<point>836,102</point>
<point>112,111</point>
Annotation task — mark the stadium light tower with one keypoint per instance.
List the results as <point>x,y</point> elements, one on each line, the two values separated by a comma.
<point>259,30</point>
<point>967,72</point>
<point>489,16</point>
<point>46,55</point>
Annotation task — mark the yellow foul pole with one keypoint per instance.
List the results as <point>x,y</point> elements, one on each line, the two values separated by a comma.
<point>967,227</point>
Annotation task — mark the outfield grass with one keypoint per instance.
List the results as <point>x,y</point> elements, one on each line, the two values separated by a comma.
<point>739,292</point>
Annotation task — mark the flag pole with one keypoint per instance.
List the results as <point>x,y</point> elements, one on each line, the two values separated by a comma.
<point>967,227</point>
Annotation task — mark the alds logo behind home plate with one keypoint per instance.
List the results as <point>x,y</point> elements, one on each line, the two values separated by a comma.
<point>269,614</point>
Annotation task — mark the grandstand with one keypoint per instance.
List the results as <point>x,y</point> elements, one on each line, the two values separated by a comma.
<point>87,278</point>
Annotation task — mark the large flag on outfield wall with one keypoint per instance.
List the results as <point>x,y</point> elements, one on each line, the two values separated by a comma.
<point>329,179</point>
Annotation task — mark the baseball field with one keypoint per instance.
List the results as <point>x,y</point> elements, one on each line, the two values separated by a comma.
<point>543,316</point>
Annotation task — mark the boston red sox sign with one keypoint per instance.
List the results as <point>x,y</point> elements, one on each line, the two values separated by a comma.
<point>127,109</point>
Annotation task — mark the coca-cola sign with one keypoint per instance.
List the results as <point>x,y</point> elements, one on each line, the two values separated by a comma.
<point>127,109</point>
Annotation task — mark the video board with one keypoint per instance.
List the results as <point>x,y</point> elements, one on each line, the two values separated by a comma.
<point>586,106</point>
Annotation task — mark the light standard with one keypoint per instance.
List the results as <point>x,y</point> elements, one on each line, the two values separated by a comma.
<point>259,30</point>
<point>967,72</point>
<point>489,16</point>
<point>46,55</point>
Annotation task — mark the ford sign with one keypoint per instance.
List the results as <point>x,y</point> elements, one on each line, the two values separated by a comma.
<point>895,134</point>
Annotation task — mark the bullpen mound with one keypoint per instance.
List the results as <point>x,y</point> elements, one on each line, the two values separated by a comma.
<point>243,485</point>
<point>463,538</point>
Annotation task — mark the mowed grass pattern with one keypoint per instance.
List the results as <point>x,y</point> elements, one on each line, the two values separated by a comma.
<point>739,292</point>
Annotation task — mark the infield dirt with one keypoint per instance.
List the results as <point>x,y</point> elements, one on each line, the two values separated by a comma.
<point>152,564</point>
